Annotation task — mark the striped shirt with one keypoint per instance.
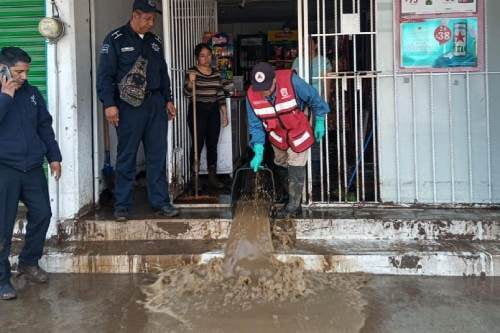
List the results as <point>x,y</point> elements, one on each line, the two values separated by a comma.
<point>209,88</point>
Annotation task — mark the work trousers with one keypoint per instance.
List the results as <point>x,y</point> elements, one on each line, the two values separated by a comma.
<point>31,188</point>
<point>285,158</point>
<point>208,130</point>
<point>147,124</point>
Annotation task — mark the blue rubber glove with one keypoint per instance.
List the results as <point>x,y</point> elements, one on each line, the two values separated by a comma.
<point>256,162</point>
<point>319,128</point>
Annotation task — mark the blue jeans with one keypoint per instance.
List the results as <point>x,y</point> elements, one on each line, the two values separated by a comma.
<point>30,188</point>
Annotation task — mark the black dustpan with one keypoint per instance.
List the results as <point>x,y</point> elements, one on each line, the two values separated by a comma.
<point>243,185</point>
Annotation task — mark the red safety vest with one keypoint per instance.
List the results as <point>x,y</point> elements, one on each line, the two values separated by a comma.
<point>286,124</point>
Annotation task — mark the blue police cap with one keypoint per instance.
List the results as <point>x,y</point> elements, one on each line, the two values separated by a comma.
<point>146,6</point>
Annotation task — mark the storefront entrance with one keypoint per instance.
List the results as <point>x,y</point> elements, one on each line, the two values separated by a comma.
<point>395,135</point>
<point>343,168</point>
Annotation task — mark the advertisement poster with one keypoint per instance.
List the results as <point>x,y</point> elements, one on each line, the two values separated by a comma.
<point>283,48</point>
<point>418,7</point>
<point>439,43</point>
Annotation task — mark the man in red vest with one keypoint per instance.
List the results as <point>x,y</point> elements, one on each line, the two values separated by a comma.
<point>275,106</point>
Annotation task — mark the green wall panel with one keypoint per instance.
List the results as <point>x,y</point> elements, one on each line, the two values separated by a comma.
<point>19,27</point>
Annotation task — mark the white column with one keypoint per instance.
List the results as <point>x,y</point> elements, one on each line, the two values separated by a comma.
<point>70,103</point>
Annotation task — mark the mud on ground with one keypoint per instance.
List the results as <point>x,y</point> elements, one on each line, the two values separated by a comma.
<point>254,290</point>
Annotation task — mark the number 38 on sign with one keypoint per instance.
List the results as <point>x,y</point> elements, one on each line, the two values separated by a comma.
<point>442,34</point>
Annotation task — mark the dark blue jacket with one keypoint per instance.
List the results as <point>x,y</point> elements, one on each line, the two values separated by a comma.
<point>26,134</point>
<point>119,51</point>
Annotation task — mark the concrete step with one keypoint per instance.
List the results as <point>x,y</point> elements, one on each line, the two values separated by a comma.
<point>399,229</point>
<point>433,258</point>
<point>333,224</point>
<point>400,224</point>
<point>148,229</point>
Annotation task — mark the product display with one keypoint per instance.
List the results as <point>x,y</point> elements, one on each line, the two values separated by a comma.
<point>283,48</point>
<point>251,50</point>
<point>223,52</point>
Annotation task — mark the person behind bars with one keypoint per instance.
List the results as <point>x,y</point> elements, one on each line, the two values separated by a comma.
<point>275,106</point>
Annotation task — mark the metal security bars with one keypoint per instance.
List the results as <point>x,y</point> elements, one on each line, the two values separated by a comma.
<point>343,168</point>
<point>185,22</point>
<point>436,127</point>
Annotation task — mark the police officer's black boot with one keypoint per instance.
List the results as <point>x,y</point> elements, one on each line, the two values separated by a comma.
<point>296,176</point>
<point>281,184</point>
<point>7,291</point>
<point>213,182</point>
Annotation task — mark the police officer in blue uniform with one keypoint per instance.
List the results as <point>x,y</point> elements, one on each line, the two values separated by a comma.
<point>134,87</point>
<point>26,139</point>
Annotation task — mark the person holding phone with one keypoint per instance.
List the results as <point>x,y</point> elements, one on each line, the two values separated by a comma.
<point>26,140</point>
<point>5,73</point>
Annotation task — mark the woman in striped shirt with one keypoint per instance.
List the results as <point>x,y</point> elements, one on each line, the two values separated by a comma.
<point>211,112</point>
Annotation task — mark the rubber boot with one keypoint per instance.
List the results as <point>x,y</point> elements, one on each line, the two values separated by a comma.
<point>296,177</point>
<point>281,185</point>
<point>213,182</point>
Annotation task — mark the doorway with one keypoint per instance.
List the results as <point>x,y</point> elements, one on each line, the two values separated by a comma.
<point>343,168</point>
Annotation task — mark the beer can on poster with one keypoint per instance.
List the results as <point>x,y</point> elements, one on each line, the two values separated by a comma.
<point>460,39</point>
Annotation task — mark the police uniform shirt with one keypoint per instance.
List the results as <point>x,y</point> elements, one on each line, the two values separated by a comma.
<point>119,52</point>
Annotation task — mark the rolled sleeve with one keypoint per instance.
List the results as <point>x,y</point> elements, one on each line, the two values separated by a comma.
<point>255,127</point>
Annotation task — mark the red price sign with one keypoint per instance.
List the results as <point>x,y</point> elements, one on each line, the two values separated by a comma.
<point>442,34</point>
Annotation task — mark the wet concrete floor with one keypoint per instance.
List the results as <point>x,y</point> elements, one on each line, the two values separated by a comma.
<point>111,303</point>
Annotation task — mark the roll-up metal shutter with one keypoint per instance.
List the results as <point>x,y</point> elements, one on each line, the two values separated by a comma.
<point>19,27</point>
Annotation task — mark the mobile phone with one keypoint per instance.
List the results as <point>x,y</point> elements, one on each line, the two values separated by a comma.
<point>4,72</point>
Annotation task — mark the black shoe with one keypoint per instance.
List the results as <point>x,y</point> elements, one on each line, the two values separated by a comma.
<point>213,181</point>
<point>121,215</point>
<point>33,273</point>
<point>167,210</point>
<point>7,292</point>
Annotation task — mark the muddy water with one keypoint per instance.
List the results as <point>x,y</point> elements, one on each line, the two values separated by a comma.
<point>249,247</point>
<point>200,299</point>
<point>283,233</point>
<point>250,291</point>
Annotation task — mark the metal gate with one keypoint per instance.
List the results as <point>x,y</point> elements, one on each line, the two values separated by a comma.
<point>438,130</point>
<point>184,23</point>
<point>343,168</point>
